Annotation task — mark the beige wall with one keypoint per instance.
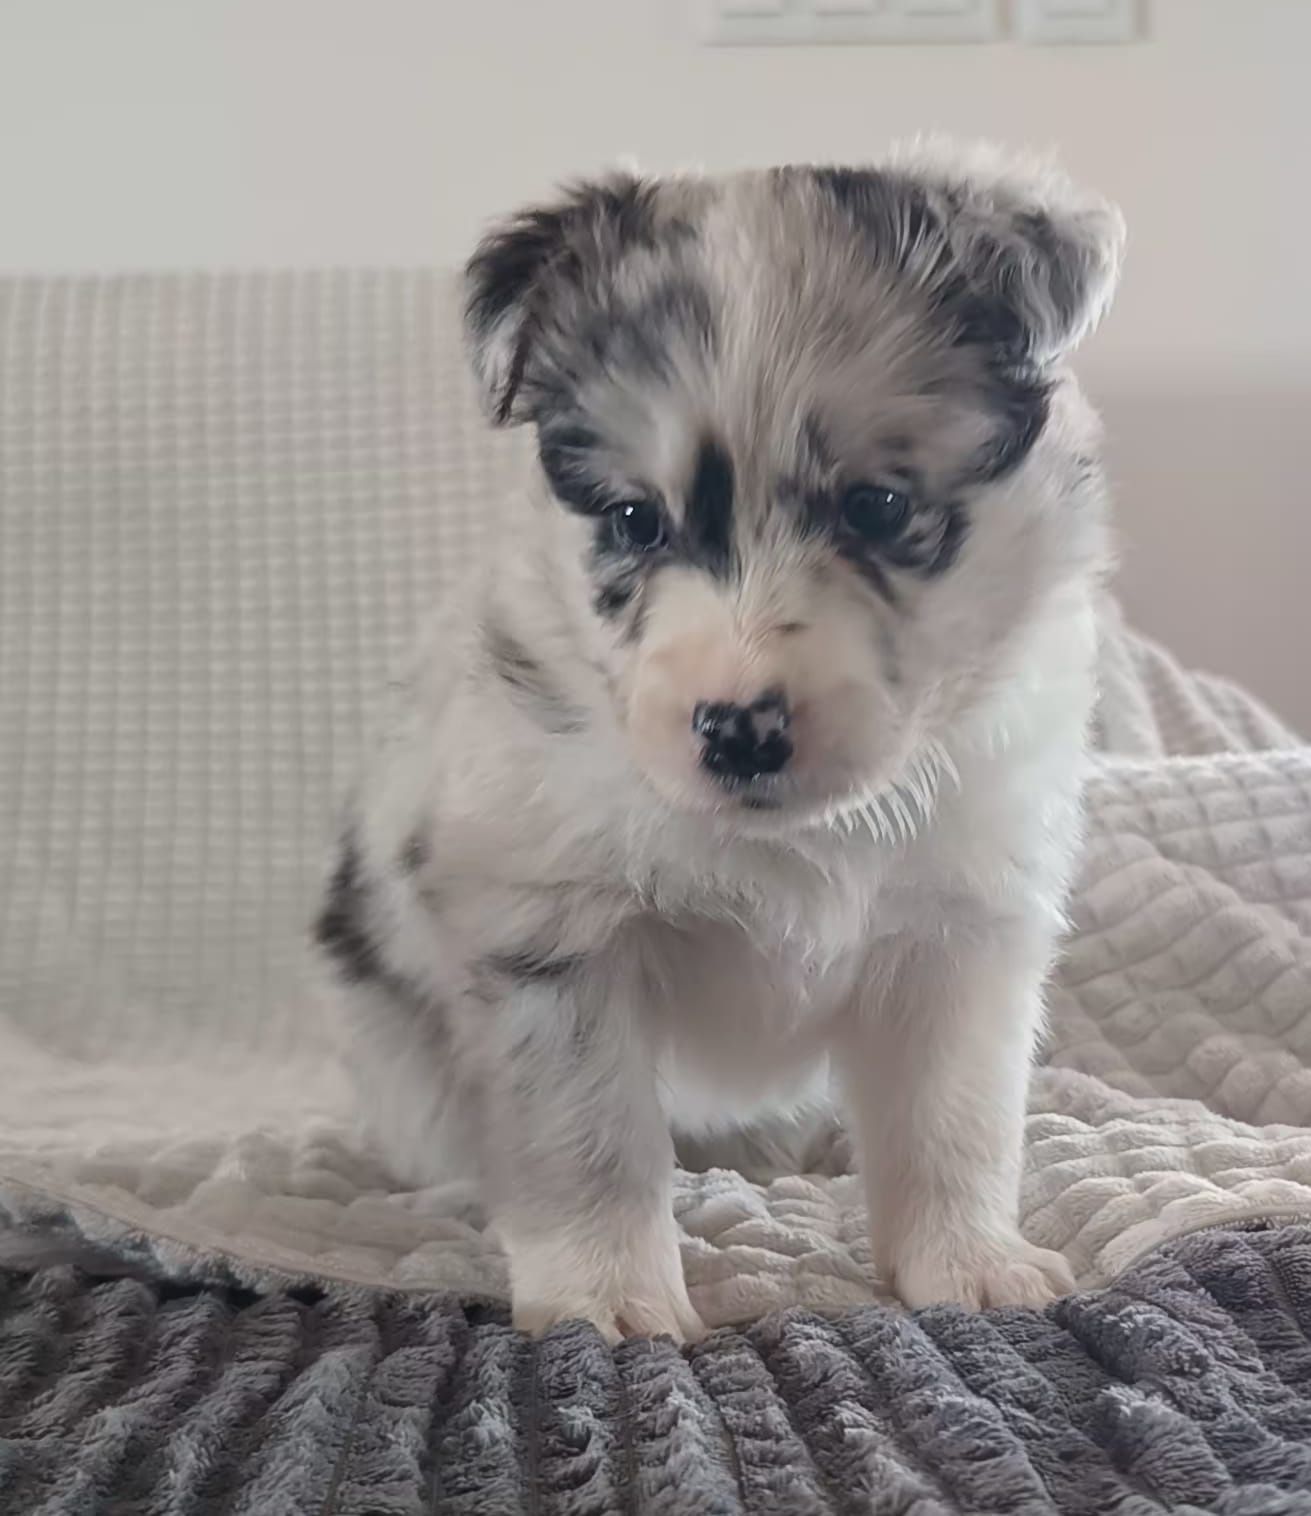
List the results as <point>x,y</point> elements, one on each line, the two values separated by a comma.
<point>161,133</point>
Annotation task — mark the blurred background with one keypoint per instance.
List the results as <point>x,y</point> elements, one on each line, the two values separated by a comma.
<point>180,134</point>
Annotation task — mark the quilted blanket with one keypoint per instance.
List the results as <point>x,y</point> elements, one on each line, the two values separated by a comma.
<point>224,503</point>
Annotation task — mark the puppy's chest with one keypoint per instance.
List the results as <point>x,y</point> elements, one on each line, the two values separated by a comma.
<point>744,1011</point>
<point>715,977</point>
<point>774,963</point>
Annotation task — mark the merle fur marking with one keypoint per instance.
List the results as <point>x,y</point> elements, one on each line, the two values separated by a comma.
<point>891,211</point>
<point>705,539</point>
<point>983,304</point>
<point>815,451</point>
<point>680,307</point>
<point>927,556</point>
<point>510,273</point>
<point>927,544</point>
<point>619,576</point>
<point>708,512</point>
<point>531,685</point>
<point>344,929</point>
<point>871,570</point>
<point>955,527</point>
<point>985,290</point>
<point>565,451</point>
<point>638,338</point>
<point>1023,399</point>
<point>531,965</point>
<point>614,597</point>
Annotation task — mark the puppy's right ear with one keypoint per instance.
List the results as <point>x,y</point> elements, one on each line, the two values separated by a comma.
<point>521,268</point>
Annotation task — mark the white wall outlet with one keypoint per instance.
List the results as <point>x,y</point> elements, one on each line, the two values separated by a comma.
<point>1077,20</point>
<point>797,22</point>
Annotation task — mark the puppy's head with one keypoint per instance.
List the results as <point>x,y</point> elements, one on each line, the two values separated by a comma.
<point>812,432</point>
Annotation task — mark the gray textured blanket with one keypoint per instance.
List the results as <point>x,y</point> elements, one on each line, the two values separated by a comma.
<point>1186,1387</point>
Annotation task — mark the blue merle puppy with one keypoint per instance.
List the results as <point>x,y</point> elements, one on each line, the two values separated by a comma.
<point>751,760</point>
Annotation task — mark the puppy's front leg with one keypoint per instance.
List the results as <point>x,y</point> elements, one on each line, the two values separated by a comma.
<point>936,1086</point>
<point>581,1165</point>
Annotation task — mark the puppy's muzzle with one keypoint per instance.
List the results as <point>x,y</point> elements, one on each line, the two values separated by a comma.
<point>741,743</point>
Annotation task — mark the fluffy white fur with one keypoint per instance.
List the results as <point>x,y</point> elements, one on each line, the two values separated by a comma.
<point>559,941</point>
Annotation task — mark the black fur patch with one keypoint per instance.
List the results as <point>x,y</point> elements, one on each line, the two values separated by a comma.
<point>678,309</point>
<point>928,546</point>
<point>505,276</point>
<point>342,929</point>
<point>901,216</point>
<point>1023,400</point>
<point>614,597</point>
<point>815,450</point>
<point>705,539</point>
<point>638,339</point>
<point>565,450</point>
<point>531,685</point>
<point>1064,287</point>
<point>892,211</point>
<point>530,965</point>
<point>708,516</point>
<point>955,528</point>
<point>620,578</point>
<point>983,306</point>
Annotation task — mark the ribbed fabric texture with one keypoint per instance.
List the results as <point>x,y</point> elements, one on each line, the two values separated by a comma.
<point>225,503</point>
<point>1185,1388</point>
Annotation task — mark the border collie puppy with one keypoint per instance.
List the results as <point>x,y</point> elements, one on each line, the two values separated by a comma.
<point>750,762</point>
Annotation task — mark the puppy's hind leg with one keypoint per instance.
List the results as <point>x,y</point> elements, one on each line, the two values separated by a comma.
<point>581,1163</point>
<point>397,1048</point>
<point>393,1031</point>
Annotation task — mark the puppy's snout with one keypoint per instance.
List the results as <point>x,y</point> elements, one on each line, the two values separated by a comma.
<point>744,742</point>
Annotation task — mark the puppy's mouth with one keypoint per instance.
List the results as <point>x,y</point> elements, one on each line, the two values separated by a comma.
<point>771,801</point>
<point>764,794</point>
<point>735,802</point>
<point>787,801</point>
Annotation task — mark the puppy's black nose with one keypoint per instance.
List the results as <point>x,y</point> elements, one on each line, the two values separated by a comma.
<point>743,742</point>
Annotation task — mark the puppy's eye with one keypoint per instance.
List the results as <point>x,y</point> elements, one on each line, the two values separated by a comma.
<point>639,526</point>
<point>875,512</point>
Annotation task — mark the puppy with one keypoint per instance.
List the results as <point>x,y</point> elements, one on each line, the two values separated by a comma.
<point>752,756</point>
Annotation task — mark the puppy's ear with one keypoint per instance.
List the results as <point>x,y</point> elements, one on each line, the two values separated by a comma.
<point>1022,260</point>
<point>521,267</point>
<point>1041,256</point>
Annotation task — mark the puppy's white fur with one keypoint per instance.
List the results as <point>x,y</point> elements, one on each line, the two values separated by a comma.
<point>557,938</point>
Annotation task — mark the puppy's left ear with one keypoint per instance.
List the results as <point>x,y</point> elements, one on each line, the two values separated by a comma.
<point>1036,258</point>
<point>523,268</point>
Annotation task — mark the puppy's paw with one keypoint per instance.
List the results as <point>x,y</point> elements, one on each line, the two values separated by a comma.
<point>637,1297</point>
<point>983,1275</point>
<point>614,1319</point>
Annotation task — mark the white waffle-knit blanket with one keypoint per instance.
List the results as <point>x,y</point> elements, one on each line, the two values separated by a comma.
<point>224,503</point>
